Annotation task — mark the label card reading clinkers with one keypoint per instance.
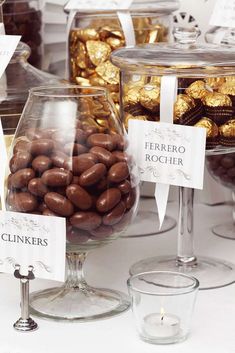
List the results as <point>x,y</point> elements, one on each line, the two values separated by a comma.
<point>27,239</point>
<point>223,14</point>
<point>98,4</point>
<point>168,153</point>
<point>8,45</point>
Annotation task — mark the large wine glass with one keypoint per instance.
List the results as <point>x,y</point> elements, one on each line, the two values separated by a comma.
<point>68,159</point>
<point>222,169</point>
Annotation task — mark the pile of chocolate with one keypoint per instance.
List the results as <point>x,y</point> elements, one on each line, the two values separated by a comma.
<point>90,50</point>
<point>222,168</point>
<point>208,103</point>
<point>81,174</point>
<point>22,19</point>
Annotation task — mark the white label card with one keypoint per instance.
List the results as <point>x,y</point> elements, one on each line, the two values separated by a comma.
<point>223,14</point>
<point>168,153</point>
<point>8,45</point>
<point>98,4</point>
<point>33,240</point>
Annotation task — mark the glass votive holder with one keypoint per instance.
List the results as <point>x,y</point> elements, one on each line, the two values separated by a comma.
<point>162,304</point>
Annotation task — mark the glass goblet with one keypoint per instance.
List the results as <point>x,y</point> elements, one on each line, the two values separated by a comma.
<point>68,159</point>
<point>222,169</point>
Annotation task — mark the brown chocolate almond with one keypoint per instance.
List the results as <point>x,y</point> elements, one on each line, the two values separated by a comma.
<point>41,163</point>
<point>57,177</point>
<point>108,200</point>
<point>22,201</point>
<point>59,204</point>
<point>92,175</point>
<point>118,172</point>
<point>37,187</point>
<point>79,196</point>
<point>20,160</point>
<point>21,178</point>
<point>101,140</point>
<point>115,215</point>
<point>104,156</point>
<point>41,146</point>
<point>86,220</point>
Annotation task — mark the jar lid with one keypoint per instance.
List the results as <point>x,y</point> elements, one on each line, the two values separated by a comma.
<point>184,55</point>
<point>138,6</point>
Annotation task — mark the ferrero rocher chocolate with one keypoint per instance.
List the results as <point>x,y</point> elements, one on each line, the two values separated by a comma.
<point>197,89</point>
<point>215,82</point>
<point>183,105</point>
<point>227,88</point>
<point>228,129</point>
<point>215,99</point>
<point>137,117</point>
<point>150,97</point>
<point>212,129</point>
<point>98,51</point>
<point>132,96</point>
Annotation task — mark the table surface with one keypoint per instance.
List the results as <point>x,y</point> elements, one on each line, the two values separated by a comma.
<point>213,324</point>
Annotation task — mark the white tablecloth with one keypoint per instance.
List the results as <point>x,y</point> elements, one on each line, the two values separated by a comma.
<point>214,317</point>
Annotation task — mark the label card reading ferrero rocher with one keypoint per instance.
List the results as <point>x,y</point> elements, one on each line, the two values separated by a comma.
<point>167,153</point>
<point>223,14</point>
<point>8,45</point>
<point>98,4</point>
<point>33,240</point>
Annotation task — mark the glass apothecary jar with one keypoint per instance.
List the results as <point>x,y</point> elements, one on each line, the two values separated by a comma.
<point>69,159</point>
<point>205,98</point>
<point>15,83</point>
<point>24,17</point>
<point>94,35</point>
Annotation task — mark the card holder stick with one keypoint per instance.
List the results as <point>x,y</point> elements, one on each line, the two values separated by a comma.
<point>25,322</point>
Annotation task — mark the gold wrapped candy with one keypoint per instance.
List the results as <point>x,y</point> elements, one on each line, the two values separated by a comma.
<point>98,51</point>
<point>81,56</point>
<point>150,97</point>
<point>132,96</point>
<point>228,129</point>
<point>215,82</point>
<point>87,34</point>
<point>197,89</point>
<point>227,88</point>
<point>216,99</point>
<point>230,79</point>
<point>108,72</point>
<point>183,105</point>
<point>212,129</point>
<point>138,117</point>
<point>115,43</point>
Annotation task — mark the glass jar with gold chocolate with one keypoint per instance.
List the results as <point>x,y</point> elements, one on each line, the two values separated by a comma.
<point>205,97</point>
<point>95,35</point>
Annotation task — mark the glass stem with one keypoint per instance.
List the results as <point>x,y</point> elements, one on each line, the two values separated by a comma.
<point>233,206</point>
<point>75,276</point>
<point>185,255</point>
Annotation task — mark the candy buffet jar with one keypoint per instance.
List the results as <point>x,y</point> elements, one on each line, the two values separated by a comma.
<point>95,35</point>
<point>23,17</point>
<point>205,98</point>
<point>15,83</point>
<point>69,159</point>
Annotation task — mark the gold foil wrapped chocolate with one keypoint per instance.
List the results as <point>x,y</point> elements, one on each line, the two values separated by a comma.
<point>98,51</point>
<point>183,105</point>
<point>132,96</point>
<point>87,34</point>
<point>227,88</point>
<point>197,89</point>
<point>214,82</point>
<point>81,56</point>
<point>150,97</point>
<point>115,43</point>
<point>212,129</point>
<point>215,99</point>
<point>108,72</point>
<point>137,117</point>
<point>228,129</point>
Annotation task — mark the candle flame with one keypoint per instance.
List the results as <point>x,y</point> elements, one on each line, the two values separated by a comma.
<point>162,311</point>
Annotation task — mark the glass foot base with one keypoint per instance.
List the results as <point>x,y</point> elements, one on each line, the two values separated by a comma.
<point>211,273</point>
<point>226,230</point>
<point>146,223</point>
<point>86,304</point>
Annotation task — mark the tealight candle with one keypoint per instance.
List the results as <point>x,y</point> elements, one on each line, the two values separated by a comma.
<point>161,325</point>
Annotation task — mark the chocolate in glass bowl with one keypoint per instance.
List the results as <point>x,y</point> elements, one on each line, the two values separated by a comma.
<point>69,159</point>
